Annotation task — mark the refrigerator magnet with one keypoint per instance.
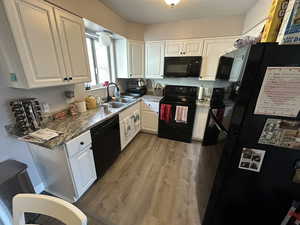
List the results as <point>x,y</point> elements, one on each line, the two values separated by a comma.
<point>281,133</point>
<point>251,159</point>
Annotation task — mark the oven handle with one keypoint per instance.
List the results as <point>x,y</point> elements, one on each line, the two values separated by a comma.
<point>218,124</point>
<point>189,69</point>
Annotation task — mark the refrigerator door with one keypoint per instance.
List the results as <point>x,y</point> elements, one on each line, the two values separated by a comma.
<point>247,197</point>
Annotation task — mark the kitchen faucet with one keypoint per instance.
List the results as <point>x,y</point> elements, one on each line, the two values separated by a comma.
<point>107,90</point>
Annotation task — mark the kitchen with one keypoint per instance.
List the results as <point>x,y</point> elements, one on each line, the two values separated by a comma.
<point>76,56</point>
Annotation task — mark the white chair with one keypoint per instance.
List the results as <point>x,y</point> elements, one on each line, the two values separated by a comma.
<point>46,205</point>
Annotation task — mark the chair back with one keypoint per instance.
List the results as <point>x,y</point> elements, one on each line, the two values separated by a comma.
<point>46,205</point>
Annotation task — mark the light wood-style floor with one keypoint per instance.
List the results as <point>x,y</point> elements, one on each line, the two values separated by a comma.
<point>154,182</point>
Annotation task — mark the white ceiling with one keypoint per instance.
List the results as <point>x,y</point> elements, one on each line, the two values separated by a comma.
<point>156,11</point>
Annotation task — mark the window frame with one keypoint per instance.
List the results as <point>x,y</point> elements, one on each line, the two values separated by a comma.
<point>110,57</point>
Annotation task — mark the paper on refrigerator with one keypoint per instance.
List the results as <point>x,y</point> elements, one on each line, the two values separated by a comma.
<point>280,92</point>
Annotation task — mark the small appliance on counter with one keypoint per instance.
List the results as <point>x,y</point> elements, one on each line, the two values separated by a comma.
<point>27,113</point>
<point>136,87</point>
<point>177,113</point>
<point>91,102</point>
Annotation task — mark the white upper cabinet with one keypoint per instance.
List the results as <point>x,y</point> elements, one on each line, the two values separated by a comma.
<point>121,56</point>
<point>136,59</point>
<point>72,35</point>
<point>38,45</point>
<point>154,59</point>
<point>174,48</point>
<point>192,47</point>
<point>37,41</point>
<point>212,50</point>
<point>130,58</point>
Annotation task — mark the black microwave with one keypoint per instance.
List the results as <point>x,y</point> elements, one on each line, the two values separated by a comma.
<point>188,66</point>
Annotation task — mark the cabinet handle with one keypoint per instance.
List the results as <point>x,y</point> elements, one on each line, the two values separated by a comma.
<point>82,143</point>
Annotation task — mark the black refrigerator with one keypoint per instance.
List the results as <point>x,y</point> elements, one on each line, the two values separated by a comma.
<point>247,197</point>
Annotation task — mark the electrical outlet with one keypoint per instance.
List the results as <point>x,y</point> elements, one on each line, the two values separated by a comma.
<point>46,108</point>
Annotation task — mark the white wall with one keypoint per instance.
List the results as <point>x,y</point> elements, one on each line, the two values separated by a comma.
<point>197,28</point>
<point>10,147</point>
<point>96,11</point>
<point>256,17</point>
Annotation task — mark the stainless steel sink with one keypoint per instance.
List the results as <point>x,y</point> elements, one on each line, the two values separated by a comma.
<point>116,105</point>
<point>126,100</point>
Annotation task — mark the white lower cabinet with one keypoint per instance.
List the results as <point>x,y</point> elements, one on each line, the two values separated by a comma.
<point>67,171</point>
<point>150,111</point>
<point>83,169</point>
<point>200,122</point>
<point>130,124</point>
<point>150,122</point>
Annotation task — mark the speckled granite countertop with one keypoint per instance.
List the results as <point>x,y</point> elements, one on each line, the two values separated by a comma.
<point>74,126</point>
<point>152,98</point>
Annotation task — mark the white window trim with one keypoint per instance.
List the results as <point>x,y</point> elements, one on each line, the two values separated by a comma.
<point>111,62</point>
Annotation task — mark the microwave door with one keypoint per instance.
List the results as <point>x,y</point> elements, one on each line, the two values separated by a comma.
<point>176,70</point>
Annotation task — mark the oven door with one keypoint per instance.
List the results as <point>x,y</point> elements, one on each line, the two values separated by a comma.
<point>182,66</point>
<point>170,128</point>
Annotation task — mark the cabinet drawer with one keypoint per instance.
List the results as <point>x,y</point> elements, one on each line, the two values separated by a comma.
<point>150,106</point>
<point>79,143</point>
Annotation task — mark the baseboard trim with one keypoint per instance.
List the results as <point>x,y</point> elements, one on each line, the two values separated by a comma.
<point>149,131</point>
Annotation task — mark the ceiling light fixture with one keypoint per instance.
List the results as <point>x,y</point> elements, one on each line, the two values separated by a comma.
<point>172,3</point>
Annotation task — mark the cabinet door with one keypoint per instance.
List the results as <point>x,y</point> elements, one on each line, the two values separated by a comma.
<point>121,57</point>
<point>72,35</point>
<point>150,121</point>
<point>122,134</point>
<point>174,48</point>
<point>137,121</point>
<point>36,37</point>
<point>154,59</point>
<point>212,50</point>
<point>193,47</point>
<point>83,169</point>
<point>136,59</point>
<point>200,122</point>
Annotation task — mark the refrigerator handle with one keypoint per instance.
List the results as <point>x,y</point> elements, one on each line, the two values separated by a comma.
<point>218,124</point>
